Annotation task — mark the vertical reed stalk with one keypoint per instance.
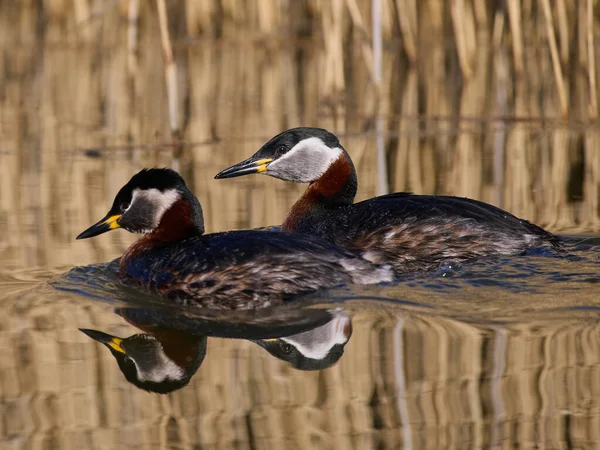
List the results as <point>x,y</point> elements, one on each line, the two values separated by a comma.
<point>496,378</point>
<point>470,33</point>
<point>170,78</point>
<point>514,18</point>
<point>357,21</point>
<point>498,30</point>
<point>591,179</point>
<point>400,377</point>
<point>382,170</point>
<point>457,10</point>
<point>558,75</point>
<point>591,51</point>
<point>82,16</point>
<point>133,17</point>
<point>563,30</point>
<point>333,71</point>
<point>559,176</point>
<point>267,15</point>
<point>377,41</point>
<point>499,134</point>
<point>408,173</point>
<point>481,14</point>
<point>407,17</point>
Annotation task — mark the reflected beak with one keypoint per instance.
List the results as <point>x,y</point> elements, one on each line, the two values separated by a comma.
<point>246,167</point>
<point>266,343</point>
<point>106,224</point>
<point>111,342</point>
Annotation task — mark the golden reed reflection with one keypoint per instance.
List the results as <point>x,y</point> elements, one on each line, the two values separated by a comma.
<point>405,377</point>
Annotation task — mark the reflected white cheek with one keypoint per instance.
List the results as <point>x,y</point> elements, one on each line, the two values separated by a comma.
<point>317,343</point>
<point>163,369</point>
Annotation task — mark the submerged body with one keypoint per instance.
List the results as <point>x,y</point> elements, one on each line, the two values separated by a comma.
<point>410,232</point>
<point>233,270</point>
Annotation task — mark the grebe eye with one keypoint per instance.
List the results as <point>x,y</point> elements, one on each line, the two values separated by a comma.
<point>285,347</point>
<point>281,150</point>
<point>123,206</point>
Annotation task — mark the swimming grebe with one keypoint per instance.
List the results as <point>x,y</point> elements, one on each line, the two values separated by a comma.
<point>414,232</point>
<point>235,270</point>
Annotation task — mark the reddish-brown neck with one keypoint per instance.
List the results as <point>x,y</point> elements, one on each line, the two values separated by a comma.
<point>180,347</point>
<point>336,187</point>
<point>175,225</point>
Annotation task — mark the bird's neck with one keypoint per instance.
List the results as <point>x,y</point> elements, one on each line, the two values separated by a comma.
<point>335,188</point>
<point>182,348</point>
<point>181,221</point>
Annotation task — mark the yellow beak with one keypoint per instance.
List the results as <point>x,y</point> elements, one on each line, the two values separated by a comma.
<point>106,339</point>
<point>106,224</point>
<point>245,168</point>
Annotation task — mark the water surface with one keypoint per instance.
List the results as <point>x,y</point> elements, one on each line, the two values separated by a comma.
<point>486,355</point>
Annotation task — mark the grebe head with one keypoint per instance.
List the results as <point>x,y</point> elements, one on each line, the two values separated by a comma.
<point>315,349</point>
<point>302,155</point>
<point>145,361</point>
<point>143,203</point>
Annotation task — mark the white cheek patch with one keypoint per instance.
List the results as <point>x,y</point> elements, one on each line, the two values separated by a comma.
<point>307,161</point>
<point>317,343</point>
<point>161,201</point>
<point>165,369</point>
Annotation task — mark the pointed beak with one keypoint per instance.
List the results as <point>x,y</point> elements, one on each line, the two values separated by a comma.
<point>250,165</point>
<point>111,342</point>
<point>106,224</point>
<point>264,343</point>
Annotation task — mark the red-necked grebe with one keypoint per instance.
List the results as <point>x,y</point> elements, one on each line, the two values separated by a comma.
<point>413,232</point>
<point>237,269</point>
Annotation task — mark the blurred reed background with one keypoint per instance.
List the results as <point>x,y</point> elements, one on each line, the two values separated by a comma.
<point>495,100</point>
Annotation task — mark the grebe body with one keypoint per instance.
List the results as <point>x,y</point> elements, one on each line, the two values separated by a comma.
<point>411,232</point>
<point>236,269</point>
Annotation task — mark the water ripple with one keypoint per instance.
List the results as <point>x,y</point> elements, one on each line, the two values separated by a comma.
<point>499,288</point>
